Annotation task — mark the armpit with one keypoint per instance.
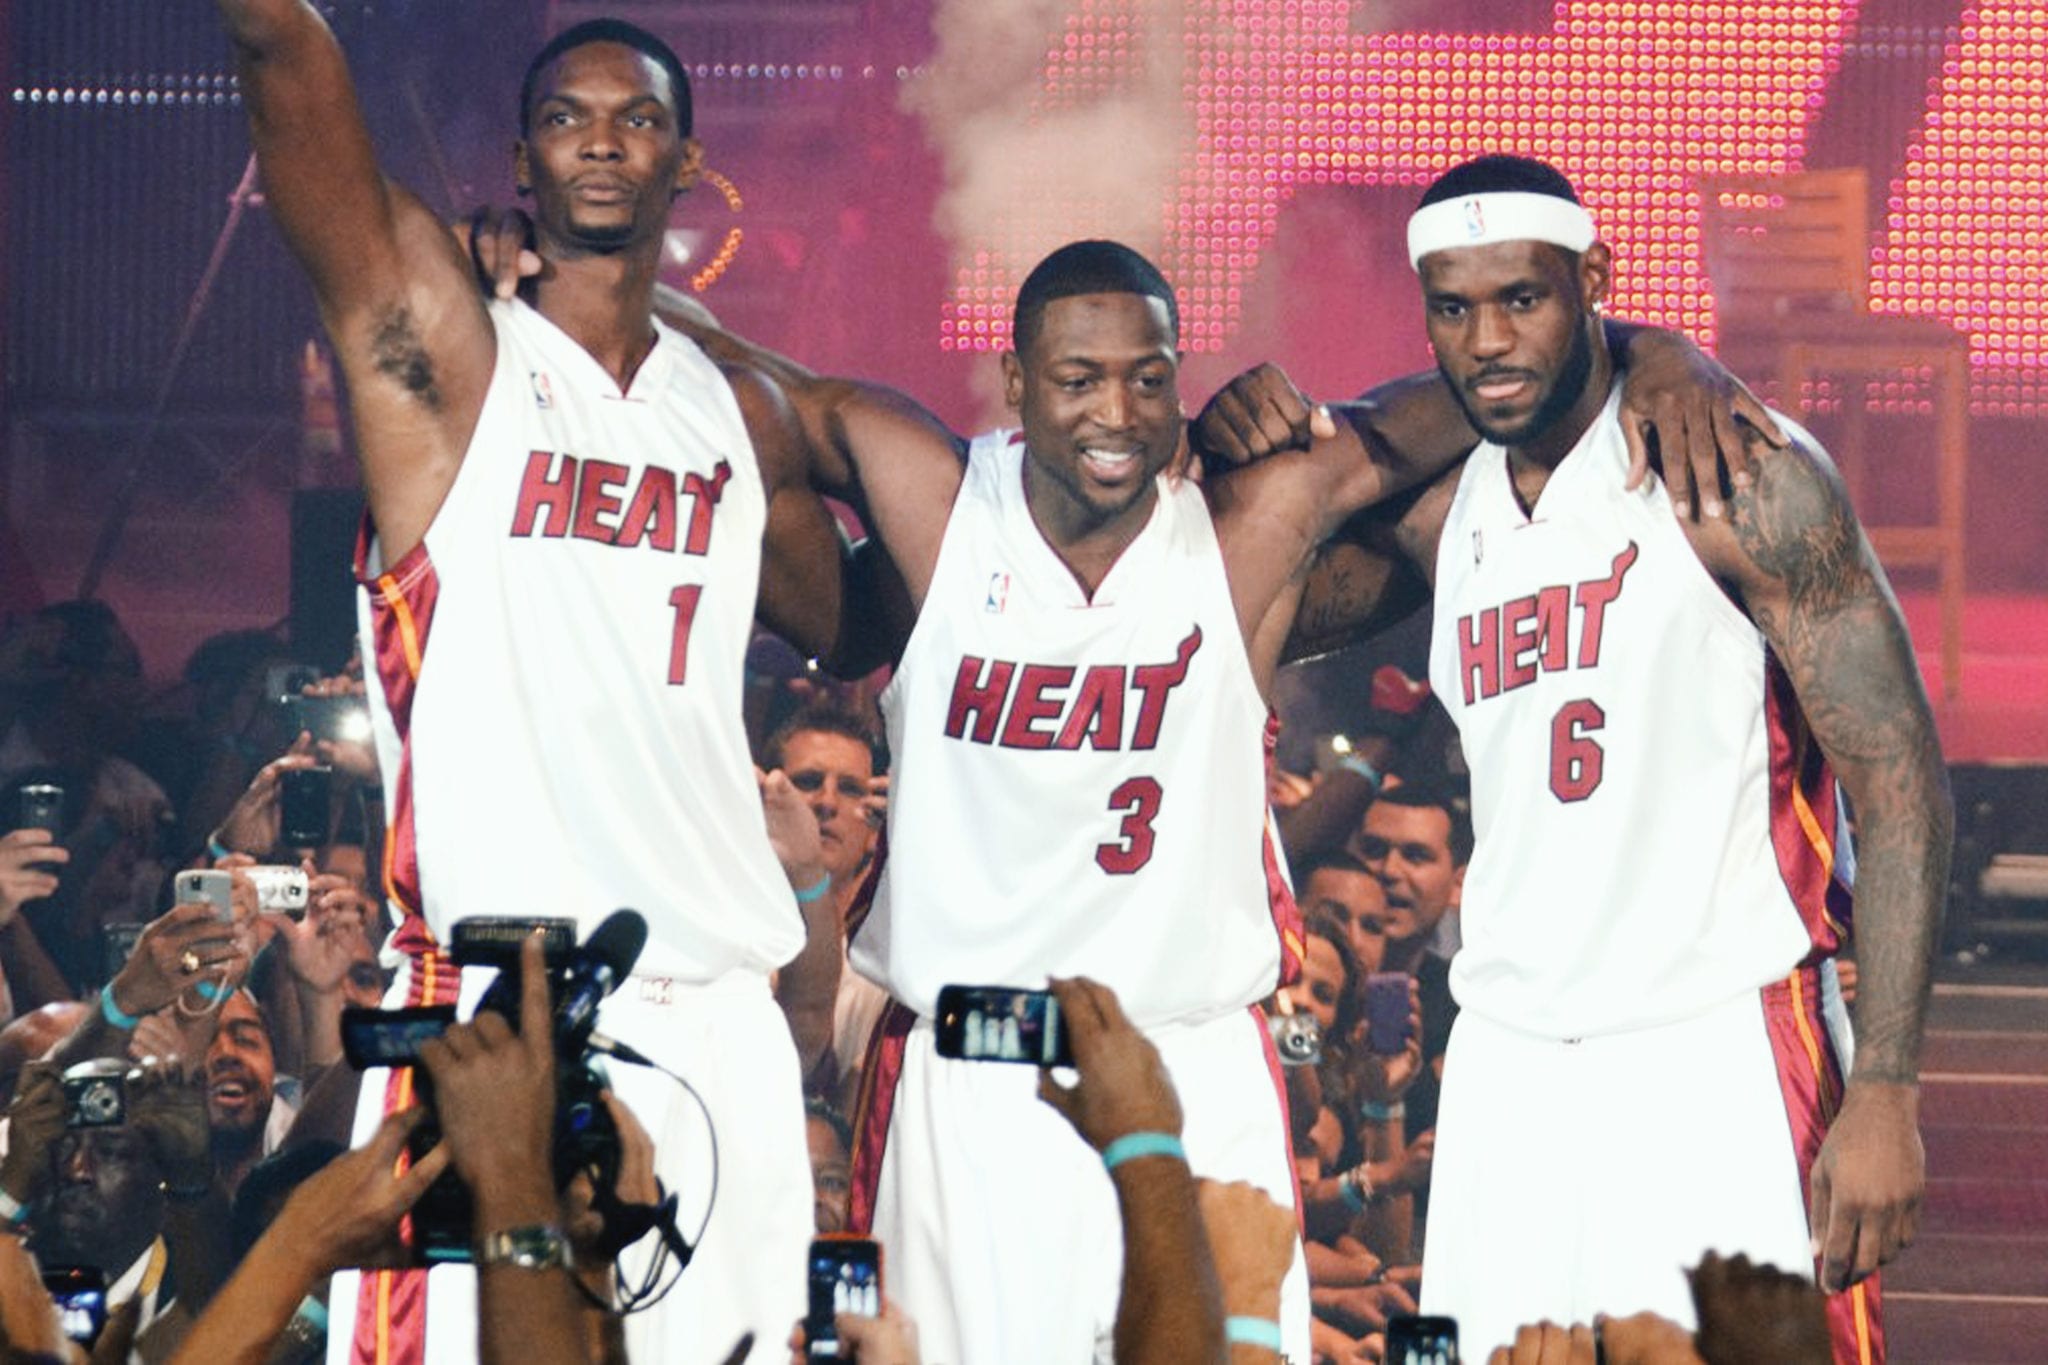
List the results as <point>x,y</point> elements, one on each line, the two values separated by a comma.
<point>398,354</point>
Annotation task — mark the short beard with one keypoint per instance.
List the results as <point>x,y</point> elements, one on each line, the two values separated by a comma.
<point>1571,383</point>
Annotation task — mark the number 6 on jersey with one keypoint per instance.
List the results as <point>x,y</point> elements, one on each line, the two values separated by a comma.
<point>1576,758</point>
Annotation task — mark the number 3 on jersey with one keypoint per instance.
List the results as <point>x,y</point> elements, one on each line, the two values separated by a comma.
<point>1576,758</point>
<point>1138,799</point>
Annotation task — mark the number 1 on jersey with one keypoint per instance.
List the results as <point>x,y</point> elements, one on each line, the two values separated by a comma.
<point>1138,797</point>
<point>684,600</point>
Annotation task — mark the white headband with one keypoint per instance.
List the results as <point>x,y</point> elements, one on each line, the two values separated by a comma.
<point>1499,216</point>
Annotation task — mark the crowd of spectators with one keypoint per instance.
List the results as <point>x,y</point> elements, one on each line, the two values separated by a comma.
<point>179,1103</point>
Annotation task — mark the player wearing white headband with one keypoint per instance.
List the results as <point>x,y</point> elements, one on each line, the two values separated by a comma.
<point>1652,1057</point>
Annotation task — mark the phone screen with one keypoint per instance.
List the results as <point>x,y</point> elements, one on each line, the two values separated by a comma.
<point>391,1037</point>
<point>1001,1024</point>
<point>80,1293</point>
<point>845,1277</point>
<point>1422,1341</point>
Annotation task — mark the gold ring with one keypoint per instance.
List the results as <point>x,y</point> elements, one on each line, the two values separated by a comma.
<point>189,960</point>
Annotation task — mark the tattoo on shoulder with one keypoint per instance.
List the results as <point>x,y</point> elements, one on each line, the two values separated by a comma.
<point>1794,524</point>
<point>399,355</point>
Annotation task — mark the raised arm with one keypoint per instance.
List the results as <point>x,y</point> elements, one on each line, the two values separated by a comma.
<point>1793,550</point>
<point>394,292</point>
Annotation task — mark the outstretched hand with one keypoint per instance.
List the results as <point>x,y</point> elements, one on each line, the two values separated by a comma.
<point>347,1213</point>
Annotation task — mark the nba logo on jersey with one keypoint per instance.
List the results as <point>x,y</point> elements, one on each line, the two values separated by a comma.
<point>1478,546</point>
<point>998,592</point>
<point>543,392</point>
<point>1475,221</point>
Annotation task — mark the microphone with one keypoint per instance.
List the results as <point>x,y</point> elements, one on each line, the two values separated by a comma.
<point>594,970</point>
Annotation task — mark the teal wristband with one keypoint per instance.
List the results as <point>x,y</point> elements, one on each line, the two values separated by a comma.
<point>811,893</point>
<point>112,1012</point>
<point>217,850</point>
<point>1380,1113</point>
<point>209,991</point>
<point>1131,1146</point>
<point>1246,1331</point>
<point>313,1313</point>
<point>1363,769</point>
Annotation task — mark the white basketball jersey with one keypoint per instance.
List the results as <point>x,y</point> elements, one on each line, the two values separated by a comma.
<point>1079,784</point>
<point>1655,826</point>
<point>559,662</point>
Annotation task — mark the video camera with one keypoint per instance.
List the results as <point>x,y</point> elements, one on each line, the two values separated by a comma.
<point>586,1140</point>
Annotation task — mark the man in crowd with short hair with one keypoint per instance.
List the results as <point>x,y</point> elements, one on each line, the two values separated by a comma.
<point>829,754</point>
<point>1339,884</point>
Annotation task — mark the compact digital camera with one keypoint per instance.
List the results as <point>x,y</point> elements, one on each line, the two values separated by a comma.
<point>1298,1038</point>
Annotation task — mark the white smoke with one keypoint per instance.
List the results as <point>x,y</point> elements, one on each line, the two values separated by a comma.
<point>1032,168</point>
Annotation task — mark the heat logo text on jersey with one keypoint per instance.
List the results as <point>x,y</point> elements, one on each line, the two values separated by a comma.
<point>1029,706</point>
<point>560,495</point>
<point>1506,647</point>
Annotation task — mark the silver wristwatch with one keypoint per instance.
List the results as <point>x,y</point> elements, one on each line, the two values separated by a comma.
<point>539,1247</point>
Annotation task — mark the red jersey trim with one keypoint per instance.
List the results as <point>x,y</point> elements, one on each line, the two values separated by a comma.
<point>1810,1079</point>
<point>1803,817</point>
<point>1280,902</point>
<point>402,602</point>
<point>872,1111</point>
<point>391,1305</point>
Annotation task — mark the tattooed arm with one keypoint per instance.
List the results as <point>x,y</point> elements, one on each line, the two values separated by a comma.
<point>1793,552</point>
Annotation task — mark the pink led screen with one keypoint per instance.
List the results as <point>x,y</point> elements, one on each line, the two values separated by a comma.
<point>1632,100</point>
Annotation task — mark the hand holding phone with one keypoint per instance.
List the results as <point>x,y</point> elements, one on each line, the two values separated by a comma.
<point>1123,1087</point>
<point>845,1277</point>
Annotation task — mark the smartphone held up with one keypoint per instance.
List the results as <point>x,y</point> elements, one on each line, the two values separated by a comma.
<point>845,1277</point>
<point>1001,1024</point>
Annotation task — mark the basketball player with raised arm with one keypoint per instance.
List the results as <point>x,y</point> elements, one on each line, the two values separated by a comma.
<point>1077,721</point>
<point>575,517</point>
<point>1651,1059</point>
